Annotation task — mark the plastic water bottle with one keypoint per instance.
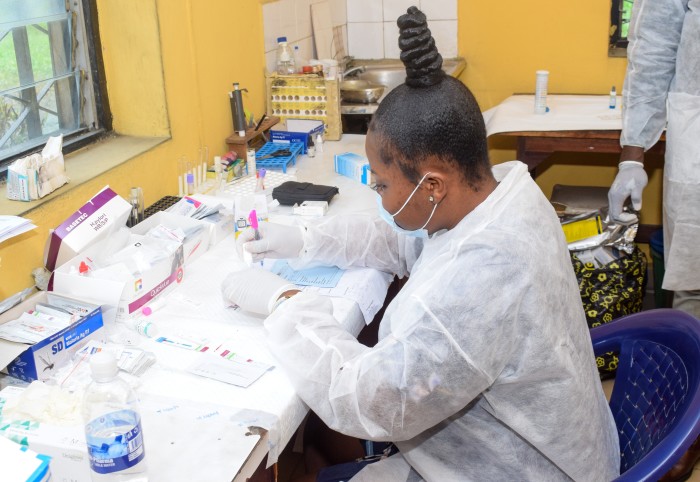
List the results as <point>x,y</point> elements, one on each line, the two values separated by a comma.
<point>285,58</point>
<point>112,424</point>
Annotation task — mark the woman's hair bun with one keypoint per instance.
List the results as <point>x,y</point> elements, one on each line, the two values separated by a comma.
<point>418,52</point>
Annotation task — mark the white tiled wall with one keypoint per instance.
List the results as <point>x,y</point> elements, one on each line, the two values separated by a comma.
<point>373,34</point>
<point>368,26</point>
<point>292,19</point>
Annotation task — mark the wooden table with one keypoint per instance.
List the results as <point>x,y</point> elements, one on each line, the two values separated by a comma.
<point>589,127</point>
<point>533,147</point>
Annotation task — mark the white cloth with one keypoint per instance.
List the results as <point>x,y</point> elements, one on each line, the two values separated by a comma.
<point>663,84</point>
<point>484,368</point>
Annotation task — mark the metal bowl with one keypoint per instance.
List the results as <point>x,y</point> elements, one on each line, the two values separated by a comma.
<point>361,91</point>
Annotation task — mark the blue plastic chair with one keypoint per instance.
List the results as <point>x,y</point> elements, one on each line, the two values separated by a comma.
<point>656,397</point>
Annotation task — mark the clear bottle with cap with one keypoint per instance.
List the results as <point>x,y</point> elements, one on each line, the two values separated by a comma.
<point>112,424</point>
<point>285,57</point>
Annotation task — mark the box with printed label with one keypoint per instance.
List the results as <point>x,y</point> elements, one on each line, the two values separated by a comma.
<point>65,444</point>
<point>41,360</point>
<point>137,270</point>
<point>353,166</point>
<point>94,221</point>
<point>297,130</point>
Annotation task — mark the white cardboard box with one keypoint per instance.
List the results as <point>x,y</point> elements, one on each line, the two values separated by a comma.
<point>194,246</point>
<point>127,296</point>
<point>41,360</point>
<point>64,444</point>
<point>94,221</point>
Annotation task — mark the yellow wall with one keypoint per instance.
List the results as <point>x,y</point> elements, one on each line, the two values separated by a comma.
<point>169,66</point>
<point>504,45</point>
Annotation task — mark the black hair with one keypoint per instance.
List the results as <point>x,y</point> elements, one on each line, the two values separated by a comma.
<point>431,114</point>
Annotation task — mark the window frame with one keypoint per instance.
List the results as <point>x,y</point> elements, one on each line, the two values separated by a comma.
<point>88,33</point>
<point>617,44</point>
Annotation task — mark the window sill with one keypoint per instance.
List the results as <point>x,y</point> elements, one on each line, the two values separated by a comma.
<point>86,164</point>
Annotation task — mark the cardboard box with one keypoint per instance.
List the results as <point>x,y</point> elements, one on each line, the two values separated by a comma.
<point>353,166</point>
<point>127,295</point>
<point>94,221</point>
<point>195,244</point>
<point>297,130</point>
<point>64,444</point>
<point>41,360</point>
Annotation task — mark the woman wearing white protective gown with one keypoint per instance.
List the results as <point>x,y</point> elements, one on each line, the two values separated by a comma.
<point>484,368</point>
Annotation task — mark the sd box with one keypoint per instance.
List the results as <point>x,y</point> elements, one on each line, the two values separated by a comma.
<point>297,130</point>
<point>41,360</point>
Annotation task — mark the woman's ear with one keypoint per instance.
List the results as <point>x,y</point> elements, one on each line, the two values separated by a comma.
<point>436,186</point>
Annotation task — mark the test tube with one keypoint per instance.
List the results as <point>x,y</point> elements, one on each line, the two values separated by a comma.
<point>541,91</point>
<point>181,180</point>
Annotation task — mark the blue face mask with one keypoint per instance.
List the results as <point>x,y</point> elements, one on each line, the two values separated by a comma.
<point>389,218</point>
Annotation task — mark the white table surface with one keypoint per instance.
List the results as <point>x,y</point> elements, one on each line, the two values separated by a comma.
<point>566,113</point>
<point>195,309</point>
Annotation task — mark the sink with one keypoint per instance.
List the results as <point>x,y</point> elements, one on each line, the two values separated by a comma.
<point>391,73</point>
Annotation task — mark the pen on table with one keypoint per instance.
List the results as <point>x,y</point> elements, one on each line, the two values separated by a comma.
<point>253,219</point>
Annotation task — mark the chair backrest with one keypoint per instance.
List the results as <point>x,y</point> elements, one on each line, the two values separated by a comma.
<point>656,396</point>
<point>655,385</point>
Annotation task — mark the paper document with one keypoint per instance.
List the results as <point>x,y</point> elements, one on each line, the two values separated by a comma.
<point>31,327</point>
<point>230,368</point>
<point>322,276</point>
<point>11,226</point>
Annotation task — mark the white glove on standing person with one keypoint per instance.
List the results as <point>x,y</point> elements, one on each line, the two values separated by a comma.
<point>255,290</point>
<point>630,181</point>
<point>276,241</point>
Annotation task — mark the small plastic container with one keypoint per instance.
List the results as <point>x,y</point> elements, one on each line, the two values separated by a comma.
<point>541,82</point>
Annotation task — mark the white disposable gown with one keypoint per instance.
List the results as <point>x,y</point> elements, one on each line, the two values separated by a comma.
<point>663,83</point>
<point>484,368</point>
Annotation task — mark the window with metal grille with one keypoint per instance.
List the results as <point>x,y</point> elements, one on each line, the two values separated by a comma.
<point>50,75</point>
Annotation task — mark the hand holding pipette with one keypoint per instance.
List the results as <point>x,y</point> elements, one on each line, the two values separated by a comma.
<point>274,241</point>
<point>253,221</point>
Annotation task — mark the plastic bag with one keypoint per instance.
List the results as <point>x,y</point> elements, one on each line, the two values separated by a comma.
<point>611,291</point>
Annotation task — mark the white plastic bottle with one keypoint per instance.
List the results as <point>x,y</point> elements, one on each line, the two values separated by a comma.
<point>285,58</point>
<point>112,424</point>
<point>542,77</point>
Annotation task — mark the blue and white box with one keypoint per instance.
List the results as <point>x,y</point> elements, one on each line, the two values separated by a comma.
<point>41,360</point>
<point>297,130</point>
<point>353,166</point>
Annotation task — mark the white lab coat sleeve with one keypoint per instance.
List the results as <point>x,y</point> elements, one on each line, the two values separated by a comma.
<point>654,35</point>
<point>358,240</point>
<point>447,344</point>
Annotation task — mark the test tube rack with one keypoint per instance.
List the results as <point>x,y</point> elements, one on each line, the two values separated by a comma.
<point>281,161</point>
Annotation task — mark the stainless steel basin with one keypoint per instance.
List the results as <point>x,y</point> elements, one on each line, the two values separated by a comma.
<point>390,73</point>
<point>361,91</point>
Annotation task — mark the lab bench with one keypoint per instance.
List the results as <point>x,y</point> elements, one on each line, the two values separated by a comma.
<point>197,428</point>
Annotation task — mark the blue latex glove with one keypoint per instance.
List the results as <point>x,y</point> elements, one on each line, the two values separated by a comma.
<point>630,181</point>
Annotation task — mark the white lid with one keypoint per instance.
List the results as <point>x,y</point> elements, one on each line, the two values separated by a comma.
<point>103,365</point>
